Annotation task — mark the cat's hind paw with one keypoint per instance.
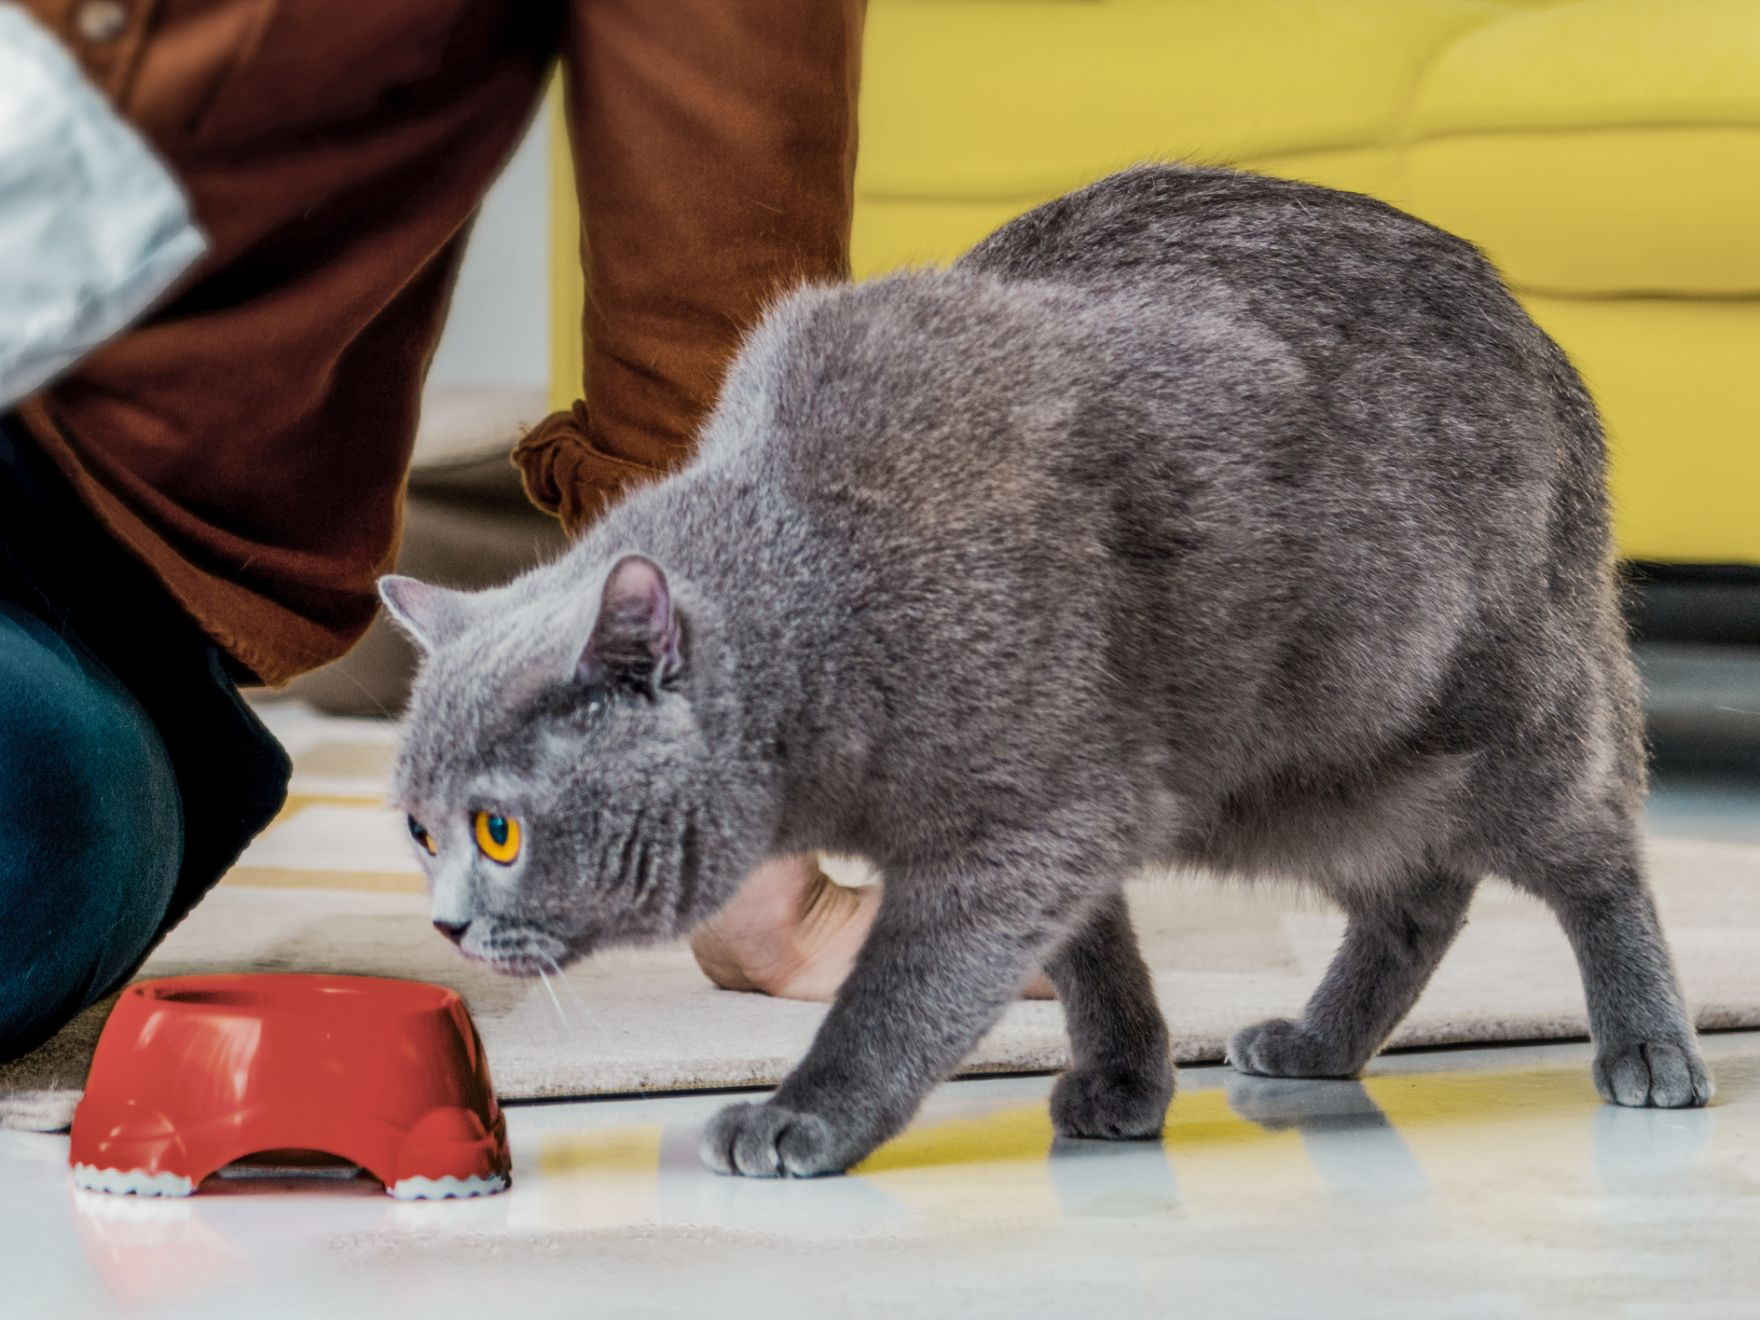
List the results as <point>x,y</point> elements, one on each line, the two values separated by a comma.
<point>768,1141</point>
<point>1111,1104</point>
<point>1282,1048</point>
<point>1659,1074</point>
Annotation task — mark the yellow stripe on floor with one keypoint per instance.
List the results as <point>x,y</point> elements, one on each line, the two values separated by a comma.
<point>368,882</point>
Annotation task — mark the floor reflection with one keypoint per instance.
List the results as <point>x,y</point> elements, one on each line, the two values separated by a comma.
<point>1371,1156</point>
<point>1117,1178</point>
<point>1636,1145</point>
<point>152,1251</point>
<point>1413,1148</point>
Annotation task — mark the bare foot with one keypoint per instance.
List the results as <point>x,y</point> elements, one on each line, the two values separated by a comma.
<point>792,933</point>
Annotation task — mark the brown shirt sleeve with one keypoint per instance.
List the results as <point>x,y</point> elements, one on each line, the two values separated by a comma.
<point>714,147</point>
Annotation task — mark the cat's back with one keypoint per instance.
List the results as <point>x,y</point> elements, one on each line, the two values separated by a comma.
<point>1278,236</point>
<point>914,390</point>
<point>1376,361</point>
<point>1347,283</point>
<point>1175,358</point>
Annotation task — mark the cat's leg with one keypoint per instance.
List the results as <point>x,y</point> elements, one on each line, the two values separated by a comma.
<point>1646,1052</point>
<point>1393,940</point>
<point>948,951</point>
<point>1121,1073</point>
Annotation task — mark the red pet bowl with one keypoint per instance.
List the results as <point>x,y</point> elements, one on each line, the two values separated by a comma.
<point>194,1072</point>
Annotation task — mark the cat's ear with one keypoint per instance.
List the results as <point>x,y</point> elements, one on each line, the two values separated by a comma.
<point>636,638</point>
<point>427,613</point>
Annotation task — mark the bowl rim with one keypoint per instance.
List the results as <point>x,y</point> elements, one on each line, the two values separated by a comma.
<point>267,993</point>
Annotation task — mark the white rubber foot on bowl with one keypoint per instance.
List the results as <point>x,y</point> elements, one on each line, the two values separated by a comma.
<point>131,1182</point>
<point>446,1187</point>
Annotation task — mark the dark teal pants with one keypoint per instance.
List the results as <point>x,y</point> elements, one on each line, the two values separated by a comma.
<point>91,829</point>
<point>131,772</point>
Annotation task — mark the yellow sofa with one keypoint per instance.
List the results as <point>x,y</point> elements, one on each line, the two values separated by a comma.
<point>1606,153</point>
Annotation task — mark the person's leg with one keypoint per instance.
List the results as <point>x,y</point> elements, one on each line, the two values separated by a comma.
<point>792,932</point>
<point>91,830</point>
<point>163,686</point>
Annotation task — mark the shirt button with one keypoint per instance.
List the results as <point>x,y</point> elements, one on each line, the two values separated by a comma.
<point>101,20</point>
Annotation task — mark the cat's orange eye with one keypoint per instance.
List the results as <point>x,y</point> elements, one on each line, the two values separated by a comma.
<point>497,836</point>
<point>422,837</point>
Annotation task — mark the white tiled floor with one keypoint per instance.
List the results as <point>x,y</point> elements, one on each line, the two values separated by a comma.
<point>1470,1183</point>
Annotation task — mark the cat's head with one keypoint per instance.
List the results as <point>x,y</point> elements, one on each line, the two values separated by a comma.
<point>560,768</point>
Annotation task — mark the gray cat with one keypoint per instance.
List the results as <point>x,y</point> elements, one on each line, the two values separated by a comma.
<point>1194,518</point>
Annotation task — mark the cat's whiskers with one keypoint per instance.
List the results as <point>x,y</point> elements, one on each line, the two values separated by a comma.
<point>562,979</point>
<point>544,980</point>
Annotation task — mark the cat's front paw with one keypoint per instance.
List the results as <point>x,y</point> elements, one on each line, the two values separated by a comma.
<point>1111,1104</point>
<point>769,1141</point>
<point>1282,1048</point>
<point>1661,1074</point>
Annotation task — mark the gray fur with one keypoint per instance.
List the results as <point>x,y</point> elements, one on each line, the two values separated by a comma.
<point>1194,518</point>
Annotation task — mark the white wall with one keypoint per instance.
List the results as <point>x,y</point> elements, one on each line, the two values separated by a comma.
<point>498,332</point>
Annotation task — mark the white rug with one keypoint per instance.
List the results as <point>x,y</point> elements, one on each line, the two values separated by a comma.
<point>648,1021</point>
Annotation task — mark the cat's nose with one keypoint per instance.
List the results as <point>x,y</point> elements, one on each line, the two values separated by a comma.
<point>452,930</point>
